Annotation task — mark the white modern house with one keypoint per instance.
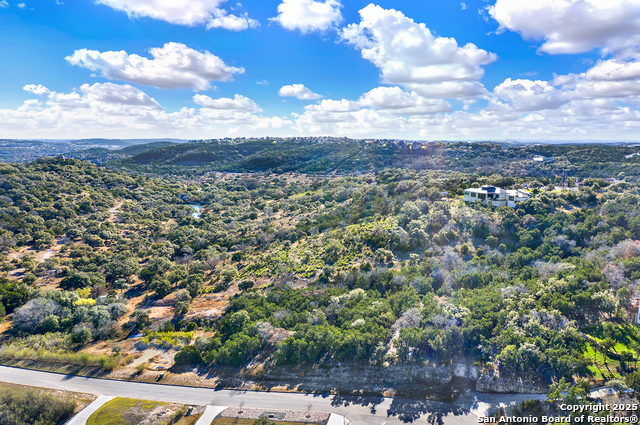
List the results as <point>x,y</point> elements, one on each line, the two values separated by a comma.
<point>496,196</point>
<point>541,158</point>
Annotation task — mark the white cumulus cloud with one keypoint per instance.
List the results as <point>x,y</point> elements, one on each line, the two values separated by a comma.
<point>299,91</point>
<point>570,26</point>
<point>173,66</point>
<point>528,95</point>
<point>96,95</point>
<point>115,110</point>
<point>3,4</point>
<point>308,15</point>
<point>238,103</point>
<point>185,12</point>
<point>410,55</point>
<point>401,102</point>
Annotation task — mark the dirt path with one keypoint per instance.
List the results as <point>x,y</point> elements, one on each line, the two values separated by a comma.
<point>146,356</point>
<point>113,210</point>
<point>39,255</point>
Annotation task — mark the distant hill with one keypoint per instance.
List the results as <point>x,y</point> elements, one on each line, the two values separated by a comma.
<point>353,156</point>
<point>102,155</point>
<point>17,151</point>
<point>279,156</point>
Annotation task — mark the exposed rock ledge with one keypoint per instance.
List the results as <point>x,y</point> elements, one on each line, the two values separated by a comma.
<point>496,384</point>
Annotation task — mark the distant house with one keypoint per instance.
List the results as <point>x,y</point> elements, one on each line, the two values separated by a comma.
<point>540,158</point>
<point>496,196</point>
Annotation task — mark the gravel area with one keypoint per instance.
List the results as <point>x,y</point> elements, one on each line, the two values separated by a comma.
<point>276,415</point>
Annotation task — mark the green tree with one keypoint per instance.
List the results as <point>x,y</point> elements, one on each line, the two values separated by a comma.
<point>188,355</point>
<point>246,284</point>
<point>121,269</point>
<point>161,287</point>
<point>29,279</point>
<point>632,380</point>
<point>194,284</point>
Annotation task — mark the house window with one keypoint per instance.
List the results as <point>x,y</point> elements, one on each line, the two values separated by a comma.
<point>511,198</point>
<point>482,196</point>
<point>473,195</point>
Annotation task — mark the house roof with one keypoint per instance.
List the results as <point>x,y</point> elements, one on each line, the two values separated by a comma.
<point>518,193</point>
<point>492,189</point>
<point>499,191</point>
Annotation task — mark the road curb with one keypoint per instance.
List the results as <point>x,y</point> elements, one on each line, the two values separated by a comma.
<point>210,414</point>
<point>83,415</point>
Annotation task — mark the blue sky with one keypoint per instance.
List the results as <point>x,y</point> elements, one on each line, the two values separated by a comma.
<point>415,70</point>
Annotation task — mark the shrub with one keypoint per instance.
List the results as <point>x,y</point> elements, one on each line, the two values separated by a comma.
<point>229,273</point>
<point>33,314</point>
<point>183,296</point>
<point>141,318</point>
<point>82,336</point>
<point>161,287</point>
<point>181,308</point>
<point>188,355</point>
<point>246,284</point>
<point>29,279</point>
<point>28,407</point>
<point>76,280</point>
<point>194,285</point>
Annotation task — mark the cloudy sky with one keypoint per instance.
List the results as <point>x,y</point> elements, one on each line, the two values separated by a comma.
<point>473,70</point>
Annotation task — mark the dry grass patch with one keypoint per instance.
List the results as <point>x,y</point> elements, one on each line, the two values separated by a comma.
<point>129,411</point>
<point>123,411</point>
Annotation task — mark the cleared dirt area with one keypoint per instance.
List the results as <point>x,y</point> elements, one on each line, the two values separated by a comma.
<point>39,255</point>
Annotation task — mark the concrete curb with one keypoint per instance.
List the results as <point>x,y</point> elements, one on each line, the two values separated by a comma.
<point>210,413</point>
<point>83,415</point>
<point>335,419</point>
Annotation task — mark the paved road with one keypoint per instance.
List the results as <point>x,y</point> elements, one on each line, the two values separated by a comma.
<point>362,410</point>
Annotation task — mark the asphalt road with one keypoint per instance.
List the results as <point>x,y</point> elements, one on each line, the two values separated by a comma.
<point>361,410</point>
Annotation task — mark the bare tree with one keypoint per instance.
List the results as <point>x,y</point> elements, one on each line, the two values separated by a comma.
<point>309,406</point>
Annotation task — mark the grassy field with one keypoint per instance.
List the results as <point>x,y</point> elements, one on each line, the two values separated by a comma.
<point>188,420</point>
<point>82,399</point>
<point>111,413</point>
<point>609,369</point>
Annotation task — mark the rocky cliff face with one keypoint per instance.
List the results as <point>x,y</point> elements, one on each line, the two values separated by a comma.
<point>465,370</point>
<point>496,384</point>
<point>415,379</point>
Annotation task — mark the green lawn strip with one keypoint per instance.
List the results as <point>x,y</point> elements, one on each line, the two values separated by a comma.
<point>598,368</point>
<point>111,412</point>
<point>188,420</point>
